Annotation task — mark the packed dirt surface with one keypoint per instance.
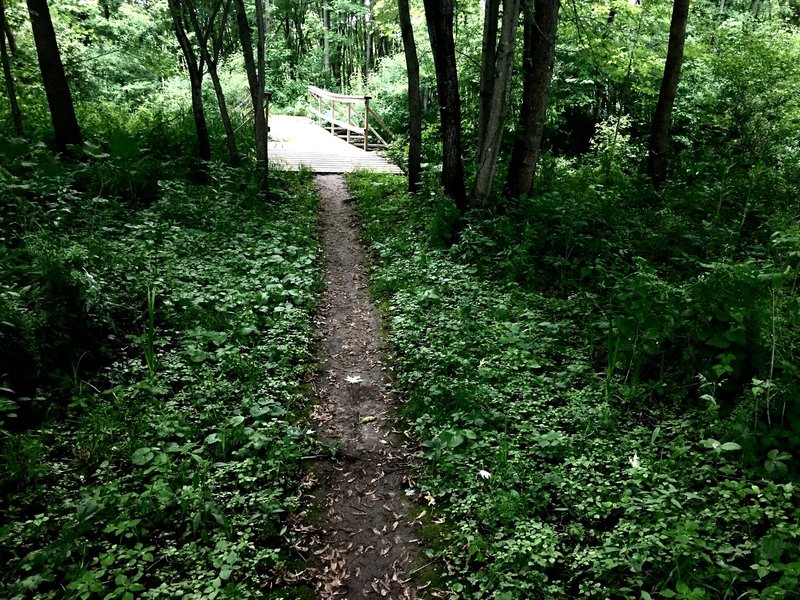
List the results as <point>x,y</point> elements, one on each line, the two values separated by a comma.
<point>363,541</point>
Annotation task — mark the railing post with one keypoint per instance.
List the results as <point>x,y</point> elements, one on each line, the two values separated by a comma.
<point>366,123</point>
<point>349,119</point>
<point>319,109</point>
<point>267,99</point>
<point>333,115</point>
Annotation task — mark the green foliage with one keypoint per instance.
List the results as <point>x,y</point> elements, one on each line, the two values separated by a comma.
<point>558,474</point>
<point>151,373</point>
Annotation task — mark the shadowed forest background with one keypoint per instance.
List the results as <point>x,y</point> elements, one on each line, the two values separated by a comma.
<point>589,282</point>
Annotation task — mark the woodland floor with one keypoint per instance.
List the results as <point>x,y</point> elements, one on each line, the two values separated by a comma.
<point>364,540</point>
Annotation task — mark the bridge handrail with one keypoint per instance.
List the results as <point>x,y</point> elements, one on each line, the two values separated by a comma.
<point>344,118</point>
<point>244,110</point>
<point>316,91</point>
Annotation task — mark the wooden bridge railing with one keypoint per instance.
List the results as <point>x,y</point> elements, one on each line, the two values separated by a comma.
<point>242,111</point>
<point>348,117</point>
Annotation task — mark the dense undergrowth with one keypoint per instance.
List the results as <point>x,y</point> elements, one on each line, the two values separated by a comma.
<point>605,393</point>
<point>154,351</point>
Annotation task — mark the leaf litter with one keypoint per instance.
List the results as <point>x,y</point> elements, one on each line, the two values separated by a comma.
<point>363,542</point>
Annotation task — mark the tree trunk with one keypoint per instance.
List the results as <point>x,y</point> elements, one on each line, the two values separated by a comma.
<point>262,160</point>
<point>12,41</point>
<point>59,97</point>
<point>414,100</point>
<point>212,61</point>
<point>488,58</point>
<point>439,16</point>
<point>326,43</point>
<point>541,26</point>
<point>659,135</point>
<point>301,39</point>
<point>195,80</point>
<point>11,89</point>
<point>255,81</point>
<point>367,50</point>
<point>489,144</point>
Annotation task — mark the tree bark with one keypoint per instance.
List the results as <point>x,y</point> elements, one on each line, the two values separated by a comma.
<point>367,50</point>
<point>255,79</point>
<point>326,42</point>
<point>659,134</point>
<point>414,99</point>
<point>488,58</point>
<point>212,60</point>
<point>439,16</point>
<point>11,88</point>
<point>541,27</point>
<point>195,80</point>
<point>489,144</point>
<point>12,41</point>
<point>56,87</point>
<point>262,159</point>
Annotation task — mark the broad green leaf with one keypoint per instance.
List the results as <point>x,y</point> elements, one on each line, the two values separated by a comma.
<point>142,456</point>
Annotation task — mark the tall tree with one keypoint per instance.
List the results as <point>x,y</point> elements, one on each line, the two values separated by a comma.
<point>212,32</point>
<point>367,41</point>
<point>488,56</point>
<point>195,68</point>
<point>414,98</point>
<point>11,89</point>
<point>56,87</point>
<point>12,41</point>
<point>541,26</point>
<point>256,76</point>
<point>439,16</point>
<point>659,133</point>
<point>492,134</point>
<point>326,42</point>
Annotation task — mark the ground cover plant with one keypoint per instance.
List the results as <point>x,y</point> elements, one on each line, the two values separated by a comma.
<point>592,295</point>
<point>153,363</point>
<point>558,472</point>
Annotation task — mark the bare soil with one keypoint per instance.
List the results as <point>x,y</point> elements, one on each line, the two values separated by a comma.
<point>363,541</point>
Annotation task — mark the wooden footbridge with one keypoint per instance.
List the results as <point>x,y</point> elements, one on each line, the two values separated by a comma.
<point>345,134</point>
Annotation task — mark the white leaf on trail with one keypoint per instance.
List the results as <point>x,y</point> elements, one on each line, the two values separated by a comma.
<point>354,379</point>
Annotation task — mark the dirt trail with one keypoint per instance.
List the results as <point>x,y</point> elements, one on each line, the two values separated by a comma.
<point>363,542</point>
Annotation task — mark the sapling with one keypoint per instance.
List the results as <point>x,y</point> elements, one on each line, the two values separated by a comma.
<point>149,335</point>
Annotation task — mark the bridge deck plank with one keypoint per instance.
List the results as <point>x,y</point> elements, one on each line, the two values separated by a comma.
<point>296,141</point>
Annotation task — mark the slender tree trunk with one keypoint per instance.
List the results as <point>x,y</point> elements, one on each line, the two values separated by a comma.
<point>326,42</point>
<point>488,58</point>
<point>414,100</point>
<point>195,80</point>
<point>659,135</point>
<point>212,61</point>
<point>262,159</point>
<point>256,83</point>
<point>11,89</point>
<point>541,26</point>
<point>12,41</point>
<point>489,145</point>
<point>56,87</point>
<point>367,50</point>
<point>224,115</point>
<point>301,40</point>
<point>439,16</point>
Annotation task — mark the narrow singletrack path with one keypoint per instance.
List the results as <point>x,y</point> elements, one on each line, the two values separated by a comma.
<point>364,543</point>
